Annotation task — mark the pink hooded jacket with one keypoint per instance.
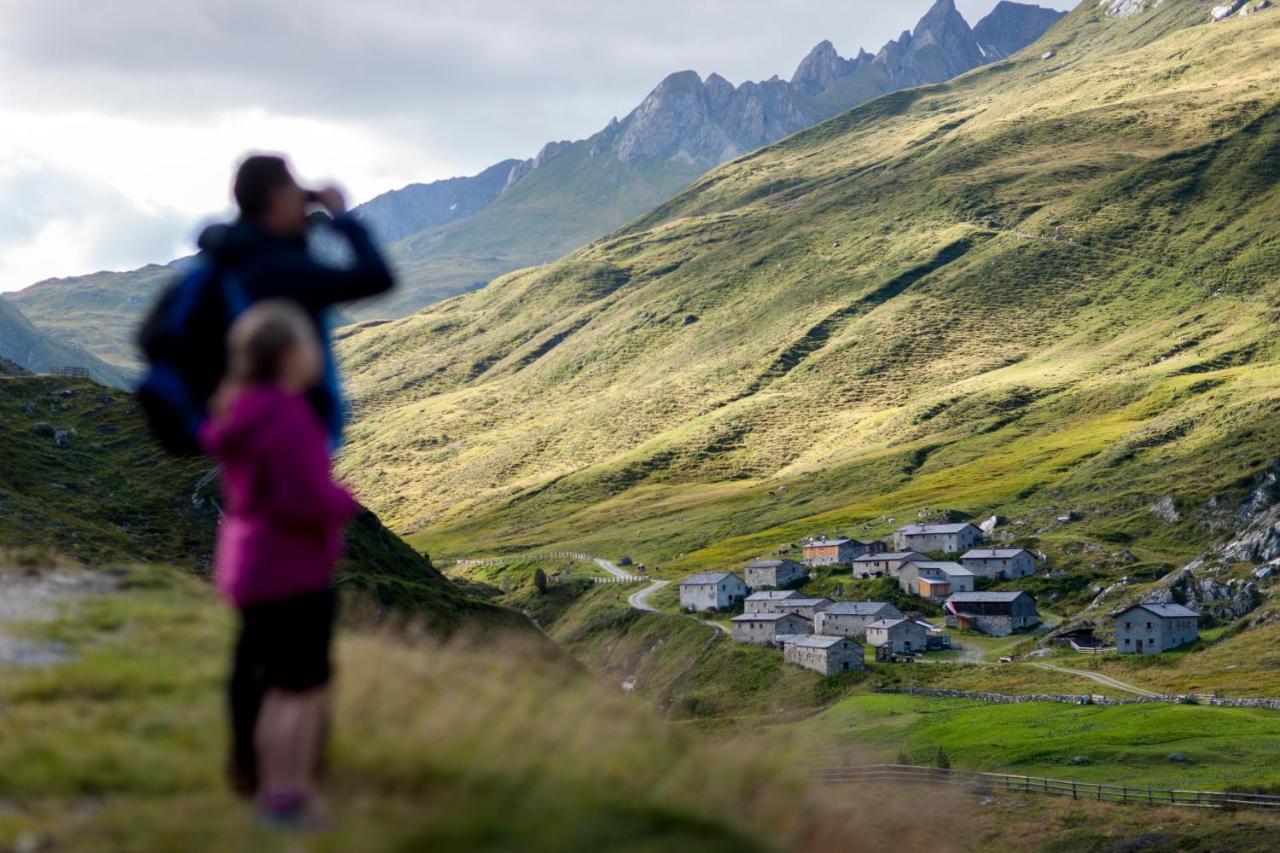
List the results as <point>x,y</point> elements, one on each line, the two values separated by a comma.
<point>283,531</point>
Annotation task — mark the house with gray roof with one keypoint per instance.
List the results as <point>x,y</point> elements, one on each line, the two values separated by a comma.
<point>851,618</point>
<point>837,552</point>
<point>883,565</point>
<point>773,574</point>
<point>764,629</point>
<point>996,613</point>
<point>809,608</point>
<point>827,655</point>
<point>1148,629</point>
<point>1000,563</point>
<point>900,635</point>
<point>934,579</point>
<point>937,538</point>
<point>766,601</point>
<point>706,591</point>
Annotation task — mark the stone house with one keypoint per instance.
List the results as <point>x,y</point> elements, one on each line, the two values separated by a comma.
<point>766,601</point>
<point>933,579</point>
<point>995,613</point>
<point>806,607</point>
<point>764,629</point>
<point>1148,629</point>
<point>827,655</point>
<point>711,591</point>
<point>773,574</point>
<point>837,552</point>
<point>1000,563</point>
<point>851,618</point>
<point>900,635</point>
<point>883,565</point>
<point>937,538</point>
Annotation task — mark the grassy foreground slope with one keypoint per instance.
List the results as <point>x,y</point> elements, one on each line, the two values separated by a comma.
<point>463,746</point>
<point>455,747</point>
<point>1047,286</point>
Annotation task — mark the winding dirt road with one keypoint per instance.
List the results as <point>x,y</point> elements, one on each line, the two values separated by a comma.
<point>640,600</point>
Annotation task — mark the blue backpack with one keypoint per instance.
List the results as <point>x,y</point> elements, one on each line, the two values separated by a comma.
<point>184,341</point>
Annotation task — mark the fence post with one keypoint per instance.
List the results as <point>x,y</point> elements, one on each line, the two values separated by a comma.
<point>1073,791</point>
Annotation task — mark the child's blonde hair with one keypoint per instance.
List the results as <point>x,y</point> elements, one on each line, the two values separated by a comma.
<point>262,336</point>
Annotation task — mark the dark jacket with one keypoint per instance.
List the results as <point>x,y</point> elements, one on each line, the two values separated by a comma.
<point>273,267</point>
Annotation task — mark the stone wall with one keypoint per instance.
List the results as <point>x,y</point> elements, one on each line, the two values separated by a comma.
<point>1070,699</point>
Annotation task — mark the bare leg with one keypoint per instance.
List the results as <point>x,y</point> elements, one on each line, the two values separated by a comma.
<point>289,736</point>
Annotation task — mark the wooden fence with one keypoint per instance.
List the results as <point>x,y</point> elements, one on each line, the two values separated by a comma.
<point>1099,792</point>
<point>549,555</point>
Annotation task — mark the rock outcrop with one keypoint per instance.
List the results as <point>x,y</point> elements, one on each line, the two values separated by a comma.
<point>1012,26</point>
<point>1197,588</point>
<point>1126,8</point>
<point>402,212</point>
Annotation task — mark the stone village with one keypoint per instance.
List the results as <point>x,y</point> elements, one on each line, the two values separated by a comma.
<point>939,563</point>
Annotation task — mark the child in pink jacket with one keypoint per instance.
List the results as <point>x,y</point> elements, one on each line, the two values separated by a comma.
<point>278,545</point>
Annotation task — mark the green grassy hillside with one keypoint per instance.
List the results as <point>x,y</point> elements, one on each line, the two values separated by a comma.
<point>97,312</point>
<point>558,207</point>
<point>1046,287</point>
<point>45,348</point>
<point>1225,748</point>
<point>81,477</point>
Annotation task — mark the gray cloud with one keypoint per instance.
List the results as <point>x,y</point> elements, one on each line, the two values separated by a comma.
<point>476,80</point>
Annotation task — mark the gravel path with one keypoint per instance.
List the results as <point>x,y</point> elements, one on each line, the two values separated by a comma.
<point>1105,680</point>
<point>35,596</point>
<point>640,600</point>
<point>614,570</point>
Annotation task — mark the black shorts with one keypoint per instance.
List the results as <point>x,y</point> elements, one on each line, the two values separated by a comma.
<point>286,643</point>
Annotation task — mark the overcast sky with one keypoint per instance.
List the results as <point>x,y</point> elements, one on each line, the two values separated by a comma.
<point>120,121</point>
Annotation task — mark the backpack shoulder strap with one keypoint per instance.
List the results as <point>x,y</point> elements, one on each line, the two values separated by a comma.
<point>187,296</point>
<point>234,294</point>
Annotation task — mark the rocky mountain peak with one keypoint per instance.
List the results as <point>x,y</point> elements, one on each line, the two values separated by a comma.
<point>1012,26</point>
<point>823,66</point>
<point>942,16</point>
<point>944,28</point>
<point>688,119</point>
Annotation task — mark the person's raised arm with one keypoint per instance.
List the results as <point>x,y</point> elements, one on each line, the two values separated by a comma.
<point>321,285</point>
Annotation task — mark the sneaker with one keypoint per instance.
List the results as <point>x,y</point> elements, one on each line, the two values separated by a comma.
<point>282,809</point>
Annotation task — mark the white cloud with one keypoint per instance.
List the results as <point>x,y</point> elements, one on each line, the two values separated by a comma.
<point>85,192</point>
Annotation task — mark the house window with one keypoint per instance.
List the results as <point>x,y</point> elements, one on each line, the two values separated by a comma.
<point>1128,625</point>
<point>1148,626</point>
<point>1127,641</point>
